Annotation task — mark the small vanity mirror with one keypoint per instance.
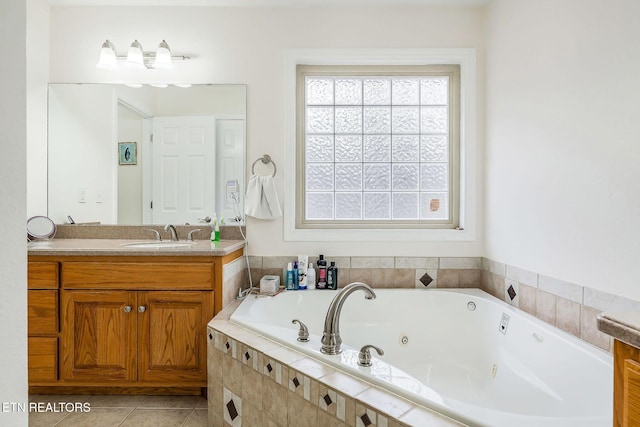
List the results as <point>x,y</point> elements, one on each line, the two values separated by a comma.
<point>40,227</point>
<point>145,155</point>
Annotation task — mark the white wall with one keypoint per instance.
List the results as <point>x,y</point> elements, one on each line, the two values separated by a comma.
<point>13,208</point>
<point>562,140</point>
<point>246,45</point>
<point>37,80</point>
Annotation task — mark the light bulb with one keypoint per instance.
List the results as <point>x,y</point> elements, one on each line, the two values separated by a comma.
<point>108,58</point>
<point>163,56</point>
<point>135,56</point>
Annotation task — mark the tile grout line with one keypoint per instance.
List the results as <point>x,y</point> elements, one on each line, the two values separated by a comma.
<point>128,415</point>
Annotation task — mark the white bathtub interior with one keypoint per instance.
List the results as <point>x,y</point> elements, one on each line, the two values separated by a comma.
<point>456,358</point>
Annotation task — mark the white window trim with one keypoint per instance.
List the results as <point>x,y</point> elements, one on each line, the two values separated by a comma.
<point>466,58</point>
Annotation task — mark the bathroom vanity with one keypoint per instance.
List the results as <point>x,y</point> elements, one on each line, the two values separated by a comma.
<point>624,327</point>
<point>106,315</point>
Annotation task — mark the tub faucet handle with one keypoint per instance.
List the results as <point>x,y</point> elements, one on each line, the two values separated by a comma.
<point>303,333</point>
<point>364,357</point>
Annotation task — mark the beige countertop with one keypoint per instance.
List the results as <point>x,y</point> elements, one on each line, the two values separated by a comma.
<point>621,325</point>
<point>115,247</point>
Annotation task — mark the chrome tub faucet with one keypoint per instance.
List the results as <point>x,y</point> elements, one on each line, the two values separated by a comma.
<point>331,340</point>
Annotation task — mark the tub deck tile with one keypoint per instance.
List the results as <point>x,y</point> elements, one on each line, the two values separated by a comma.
<point>312,368</point>
<point>420,417</point>
<point>345,383</point>
<point>284,354</point>
<point>388,403</point>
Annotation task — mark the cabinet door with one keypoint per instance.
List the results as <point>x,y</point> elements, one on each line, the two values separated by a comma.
<point>172,335</point>
<point>98,336</point>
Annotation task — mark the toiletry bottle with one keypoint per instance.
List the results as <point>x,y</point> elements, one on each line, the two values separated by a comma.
<point>302,272</point>
<point>213,234</point>
<point>296,279</point>
<point>311,277</point>
<point>289,283</point>
<point>322,273</point>
<point>332,276</point>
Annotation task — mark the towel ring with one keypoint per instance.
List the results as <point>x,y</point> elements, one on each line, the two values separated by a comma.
<point>266,159</point>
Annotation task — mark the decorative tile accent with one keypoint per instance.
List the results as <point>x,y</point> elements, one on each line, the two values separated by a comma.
<point>366,421</point>
<point>327,399</point>
<point>296,383</point>
<point>512,292</point>
<point>433,272</point>
<point>426,279</point>
<point>232,411</point>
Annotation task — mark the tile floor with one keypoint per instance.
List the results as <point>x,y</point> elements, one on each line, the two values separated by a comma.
<point>123,411</point>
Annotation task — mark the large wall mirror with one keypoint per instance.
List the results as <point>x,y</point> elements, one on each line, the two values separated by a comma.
<point>146,155</point>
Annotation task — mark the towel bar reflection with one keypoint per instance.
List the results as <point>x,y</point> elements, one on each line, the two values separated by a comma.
<point>266,159</point>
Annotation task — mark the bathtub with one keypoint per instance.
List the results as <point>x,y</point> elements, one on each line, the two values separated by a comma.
<point>460,352</point>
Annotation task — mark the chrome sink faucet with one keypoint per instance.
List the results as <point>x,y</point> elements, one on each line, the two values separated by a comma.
<point>174,233</point>
<point>331,340</point>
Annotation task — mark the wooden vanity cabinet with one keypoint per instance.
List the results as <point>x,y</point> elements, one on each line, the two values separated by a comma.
<point>140,321</point>
<point>128,336</point>
<point>42,317</point>
<point>626,385</point>
<point>135,322</point>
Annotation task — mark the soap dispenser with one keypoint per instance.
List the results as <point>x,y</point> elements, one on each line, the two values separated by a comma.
<point>215,229</point>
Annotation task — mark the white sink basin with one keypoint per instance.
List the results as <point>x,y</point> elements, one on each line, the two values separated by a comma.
<point>157,245</point>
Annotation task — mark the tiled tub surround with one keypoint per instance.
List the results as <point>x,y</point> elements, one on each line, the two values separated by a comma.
<point>570,307</point>
<point>256,382</point>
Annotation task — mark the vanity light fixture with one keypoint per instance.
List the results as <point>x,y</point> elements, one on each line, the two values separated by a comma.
<point>137,58</point>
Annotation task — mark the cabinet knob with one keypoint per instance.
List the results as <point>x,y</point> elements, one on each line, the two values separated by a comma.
<point>127,309</point>
<point>142,309</point>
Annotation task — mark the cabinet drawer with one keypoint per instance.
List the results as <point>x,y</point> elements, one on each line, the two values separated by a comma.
<point>43,312</point>
<point>137,275</point>
<point>43,359</point>
<point>42,275</point>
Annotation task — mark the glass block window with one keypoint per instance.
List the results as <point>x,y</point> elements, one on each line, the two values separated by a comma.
<point>378,146</point>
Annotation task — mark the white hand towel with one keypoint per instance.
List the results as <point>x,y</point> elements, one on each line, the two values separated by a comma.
<point>261,200</point>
